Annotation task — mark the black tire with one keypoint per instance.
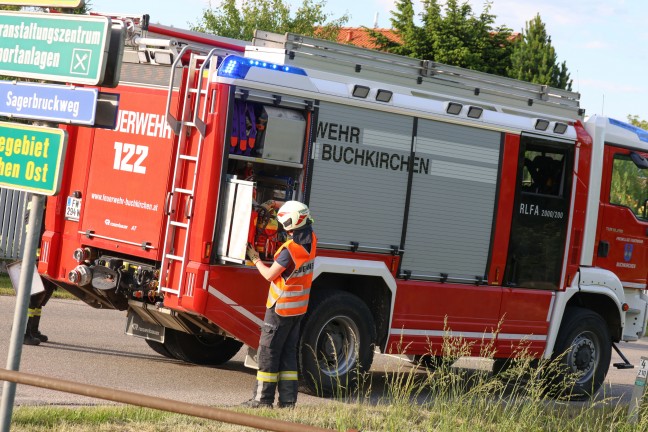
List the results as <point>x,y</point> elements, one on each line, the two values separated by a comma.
<point>203,349</point>
<point>159,348</point>
<point>336,343</point>
<point>501,365</point>
<point>430,362</point>
<point>583,350</point>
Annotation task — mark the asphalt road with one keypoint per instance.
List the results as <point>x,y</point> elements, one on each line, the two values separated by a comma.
<point>89,346</point>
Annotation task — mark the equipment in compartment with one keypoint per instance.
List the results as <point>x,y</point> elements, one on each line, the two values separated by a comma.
<point>268,236</point>
<point>267,132</point>
<point>237,214</point>
<point>266,147</point>
<point>244,128</point>
<point>276,187</point>
<point>258,185</point>
<point>265,234</point>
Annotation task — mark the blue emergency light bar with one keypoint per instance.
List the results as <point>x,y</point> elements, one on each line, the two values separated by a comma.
<point>238,67</point>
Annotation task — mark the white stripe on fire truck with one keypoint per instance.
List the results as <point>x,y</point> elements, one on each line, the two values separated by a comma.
<point>551,306</point>
<point>190,284</point>
<point>469,335</point>
<point>45,252</point>
<point>512,336</point>
<point>633,285</point>
<point>240,309</point>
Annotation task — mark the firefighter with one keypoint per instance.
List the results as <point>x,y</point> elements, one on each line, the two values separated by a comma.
<point>33,336</point>
<point>36,302</point>
<point>290,277</point>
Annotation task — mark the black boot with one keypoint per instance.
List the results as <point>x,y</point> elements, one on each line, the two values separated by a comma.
<point>30,339</point>
<point>35,330</point>
<point>256,404</point>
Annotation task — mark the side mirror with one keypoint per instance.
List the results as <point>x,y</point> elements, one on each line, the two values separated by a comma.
<point>640,161</point>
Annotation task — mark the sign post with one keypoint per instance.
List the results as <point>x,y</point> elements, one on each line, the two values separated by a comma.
<point>638,391</point>
<point>54,47</point>
<point>31,159</point>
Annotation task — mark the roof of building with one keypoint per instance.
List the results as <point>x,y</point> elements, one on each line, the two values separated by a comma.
<point>360,36</point>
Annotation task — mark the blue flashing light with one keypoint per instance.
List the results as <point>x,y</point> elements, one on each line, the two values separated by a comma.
<point>238,67</point>
<point>641,134</point>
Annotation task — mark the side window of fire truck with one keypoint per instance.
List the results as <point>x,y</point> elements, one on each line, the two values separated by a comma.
<point>629,187</point>
<point>543,172</point>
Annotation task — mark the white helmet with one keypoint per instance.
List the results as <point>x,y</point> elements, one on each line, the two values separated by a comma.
<point>293,215</point>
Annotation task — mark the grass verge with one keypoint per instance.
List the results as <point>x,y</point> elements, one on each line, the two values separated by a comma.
<point>442,415</point>
<point>414,398</point>
<point>7,290</point>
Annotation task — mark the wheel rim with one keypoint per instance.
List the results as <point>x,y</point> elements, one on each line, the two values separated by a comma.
<point>337,346</point>
<point>584,356</point>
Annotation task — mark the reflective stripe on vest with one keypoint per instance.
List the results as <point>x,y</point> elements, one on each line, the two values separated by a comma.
<point>290,296</point>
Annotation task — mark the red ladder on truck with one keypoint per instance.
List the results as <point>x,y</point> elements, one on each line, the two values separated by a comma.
<point>187,158</point>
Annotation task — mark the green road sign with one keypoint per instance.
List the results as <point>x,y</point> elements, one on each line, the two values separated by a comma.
<point>54,47</point>
<point>45,3</point>
<point>31,158</point>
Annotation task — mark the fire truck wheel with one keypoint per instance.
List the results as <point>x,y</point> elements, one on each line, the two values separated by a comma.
<point>430,362</point>
<point>159,348</point>
<point>336,344</point>
<point>582,353</point>
<point>205,349</point>
<point>502,365</point>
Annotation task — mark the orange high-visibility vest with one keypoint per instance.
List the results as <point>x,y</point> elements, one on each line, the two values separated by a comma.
<point>290,296</point>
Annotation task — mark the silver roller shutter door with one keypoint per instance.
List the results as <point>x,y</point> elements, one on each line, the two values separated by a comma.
<point>452,206</point>
<point>360,176</point>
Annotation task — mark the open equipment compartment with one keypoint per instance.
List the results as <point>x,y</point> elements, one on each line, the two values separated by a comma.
<point>264,163</point>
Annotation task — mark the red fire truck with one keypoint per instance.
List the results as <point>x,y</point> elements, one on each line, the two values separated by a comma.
<point>447,203</point>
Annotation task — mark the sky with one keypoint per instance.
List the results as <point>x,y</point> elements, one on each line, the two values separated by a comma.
<point>604,42</point>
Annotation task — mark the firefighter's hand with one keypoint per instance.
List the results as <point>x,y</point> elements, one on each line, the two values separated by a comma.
<point>252,254</point>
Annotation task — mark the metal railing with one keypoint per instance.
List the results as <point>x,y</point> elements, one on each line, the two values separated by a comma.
<point>13,205</point>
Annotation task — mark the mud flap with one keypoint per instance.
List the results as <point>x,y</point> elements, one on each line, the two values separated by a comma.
<point>136,326</point>
<point>251,359</point>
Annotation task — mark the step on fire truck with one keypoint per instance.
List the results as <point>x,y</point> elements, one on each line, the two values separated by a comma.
<point>447,202</point>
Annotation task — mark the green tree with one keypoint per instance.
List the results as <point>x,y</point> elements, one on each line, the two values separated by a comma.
<point>629,186</point>
<point>450,34</point>
<point>402,22</point>
<point>534,58</point>
<point>239,22</point>
<point>636,121</point>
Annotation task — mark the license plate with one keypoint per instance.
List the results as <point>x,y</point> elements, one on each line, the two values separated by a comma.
<point>136,326</point>
<point>73,208</point>
<point>643,371</point>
